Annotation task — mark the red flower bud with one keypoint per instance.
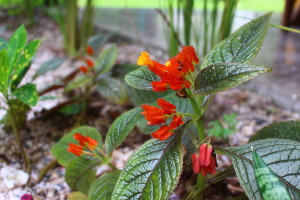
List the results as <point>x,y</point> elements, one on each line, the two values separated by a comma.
<point>204,162</point>
<point>84,69</point>
<point>90,50</point>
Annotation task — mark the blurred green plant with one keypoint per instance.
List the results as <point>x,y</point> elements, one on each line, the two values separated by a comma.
<point>224,127</point>
<point>201,30</point>
<point>75,27</point>
<point>15,60</point>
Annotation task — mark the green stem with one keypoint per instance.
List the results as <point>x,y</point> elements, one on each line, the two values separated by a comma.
<point>16,132</point>
<point>201,132</point>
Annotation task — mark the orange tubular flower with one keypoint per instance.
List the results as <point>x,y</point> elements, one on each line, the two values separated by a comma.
<point>75,149</point>
<point>84,69</point>
<point>89,62</point>
<point>85,141</point>
<point>90,50</point>
<point>204,162</point>
<point>173,73</point>
<point>155,115</point>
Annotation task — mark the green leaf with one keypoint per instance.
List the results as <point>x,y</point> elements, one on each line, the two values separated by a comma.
<point>4,71</point>
<point>152,171</point>
<point>97,41</point>
<point>106,59</point>
<point>59,150</point>
<point>102,188</point>
<point>17,43</point>
<point>121,127</point>
<point>141,78</point>
<point>23,62</point>
<point>139,97</point>
<point>79,82</point>
<point>222,76</point>
<point>282,156</point>
<point>112,89</point>
<point>27,94</point>
<point>77,196</point>
<point>285,130</point>
<point>72,109</point>
<point>81,173</point>
<point>242,46</point>
<point>269,184</point>
<point>49,65</point>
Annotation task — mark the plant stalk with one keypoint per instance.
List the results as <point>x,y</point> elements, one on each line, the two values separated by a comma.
<point>16,132</point>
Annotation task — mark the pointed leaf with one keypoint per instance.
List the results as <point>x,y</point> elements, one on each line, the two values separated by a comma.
<point>59,150</point>
<point>222,76</point>
<point>23,62</point>
<point>242,46</point>
<point>81,173</point>
<point>97,41</point>
<point>269,184</point>
<point>121,127</point>
<point>17,43</point>
<point>27,94</point>
<point>282,156</point>
<point>285,130</point>
<point>152,171</point>
<point>112,89</point>
<point>102,188</point>
<point>49,65</point>
<point>106,59</point>
<point>141,78</point>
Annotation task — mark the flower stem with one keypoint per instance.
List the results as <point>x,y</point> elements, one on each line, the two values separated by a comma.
<point>201,133</point>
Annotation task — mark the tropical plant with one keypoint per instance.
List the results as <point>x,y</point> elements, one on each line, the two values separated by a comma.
<point>153,170</point>
<point>15,60</point>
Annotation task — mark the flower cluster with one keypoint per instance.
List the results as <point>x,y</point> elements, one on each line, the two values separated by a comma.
<point>89,63</point>
<point>204,162</point>
<point>155,116</point>
<point>84,141</point>
<point>175,73</point>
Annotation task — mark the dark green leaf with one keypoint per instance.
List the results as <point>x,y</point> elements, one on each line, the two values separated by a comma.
<point>79,82</point>
<point>59,150</point>
<point>102,188</point>
<point>97,41</point>
<point>77,196</point>
<point>112,89</point>
<point>49,65</point>
<point>139,97</point>
<point>285,130</point>
<point>269,185</point>
<point>72,109</point>
<point>27,94</point>
<point>106,59</point>
<point>141,78</point>
<point>223,76</point>
<point>121,127</point>
<point>152,171</point>
<point>282,156</point>
<point>242,46</point>
<point>81,173</point>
